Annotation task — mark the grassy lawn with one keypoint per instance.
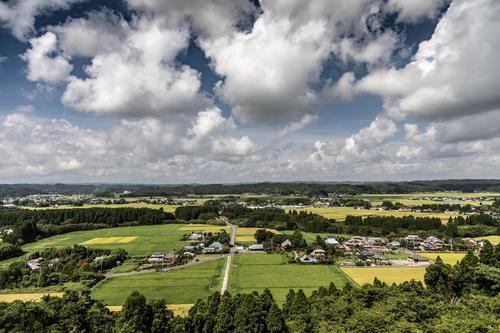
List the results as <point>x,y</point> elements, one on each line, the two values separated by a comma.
<point>182,286</point>
<point>448,258</point>
<point>339,213</point>
<point>137,241</point>
<point>389,275</point>
<point>493,239</point>
<point>125,268</point>
<point>259,271</point>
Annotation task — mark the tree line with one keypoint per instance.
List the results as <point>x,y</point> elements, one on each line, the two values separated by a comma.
<point>61,265</point>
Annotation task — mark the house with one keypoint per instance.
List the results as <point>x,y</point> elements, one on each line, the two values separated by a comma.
<point>432,243</point>
<point>215,247</point>
<point>170,257</point>
<point>197,236</point>
<point>155,257</point>
<point>394,245</point>
<point>417,260</point>
<point>34,264</point>
<point>331,241</point>
<point>256,247</point>
<point>286,244</point>
<point>366,255</point>
<point>375,243</point>
<point>308,260</point>
<point>318,253</point>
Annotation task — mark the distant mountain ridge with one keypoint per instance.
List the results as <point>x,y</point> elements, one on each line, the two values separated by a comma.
<point>277,188</point>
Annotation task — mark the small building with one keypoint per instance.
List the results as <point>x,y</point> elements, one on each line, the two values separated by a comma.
<point>170,257</point>
<point>394,245</point>
<point>417,260</point>
<point>256,247</point>
<point>215,247</point>
<point>34,264</point>
<point>286,244</point>
<point>155,257</point>
<point>308,260</point>
<point>318,253</point>
<point>331,241</point>
<point>197,236</point>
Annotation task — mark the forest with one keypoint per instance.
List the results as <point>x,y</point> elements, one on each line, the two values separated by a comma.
<point>290,188</point>
<point>444,304</point>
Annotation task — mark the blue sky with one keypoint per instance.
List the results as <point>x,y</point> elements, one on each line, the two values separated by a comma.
<point>228,91</point>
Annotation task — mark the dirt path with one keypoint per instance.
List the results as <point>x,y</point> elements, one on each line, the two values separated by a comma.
<point>225,280</point>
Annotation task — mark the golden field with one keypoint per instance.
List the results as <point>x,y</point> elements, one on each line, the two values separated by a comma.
<point>178,309</point>
<point>27,297</point>
<point>389,275</point>
<point>447,257</point>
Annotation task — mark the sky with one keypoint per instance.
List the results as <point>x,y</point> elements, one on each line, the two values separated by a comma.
<point>210,91</point>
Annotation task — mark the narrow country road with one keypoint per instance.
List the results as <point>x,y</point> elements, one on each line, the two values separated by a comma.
<point>225,280</point>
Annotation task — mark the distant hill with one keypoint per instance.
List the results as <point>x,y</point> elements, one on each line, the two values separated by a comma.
<point>279,188</point>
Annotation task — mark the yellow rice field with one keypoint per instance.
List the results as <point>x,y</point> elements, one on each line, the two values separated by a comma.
<point>492,239</point>
<point>109,240</point>
<point>448,258</point>
<point>27,297</point>
<point>362,275</point>
<point>246,235</point>
<point>203,228</point>
<point>178,309</point>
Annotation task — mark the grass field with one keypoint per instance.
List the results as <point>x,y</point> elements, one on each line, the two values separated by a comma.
<point>28,297</point>
<point>389,275</point>
<point>181,286</point>
<point>259,271</point>
<point>493,239</point>
<point>246,235</point>
<point>137,241</point>
<point>448,258</point>
<point>339,213</point>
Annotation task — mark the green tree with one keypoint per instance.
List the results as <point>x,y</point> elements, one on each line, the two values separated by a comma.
<point>161,317</point>
<point>136,314</point>
<point>275,321</point>
<point>440,277</point>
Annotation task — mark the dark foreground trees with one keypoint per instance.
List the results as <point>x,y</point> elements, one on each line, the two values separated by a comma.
<point>460,298</point>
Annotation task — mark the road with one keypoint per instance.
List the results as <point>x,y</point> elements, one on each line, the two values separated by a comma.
<point>225,280</point>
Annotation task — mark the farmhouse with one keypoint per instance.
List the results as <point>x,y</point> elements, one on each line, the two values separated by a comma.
<point>318,253</point>
<point>197,236</point>
<point>215,247</point>
<point>155,257</point>
<point>432,243</point>
<point>34,264</point>
<point>256,247</point>
<point>331,241</point>
<point>416,260</point>
<point>286,244</point>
